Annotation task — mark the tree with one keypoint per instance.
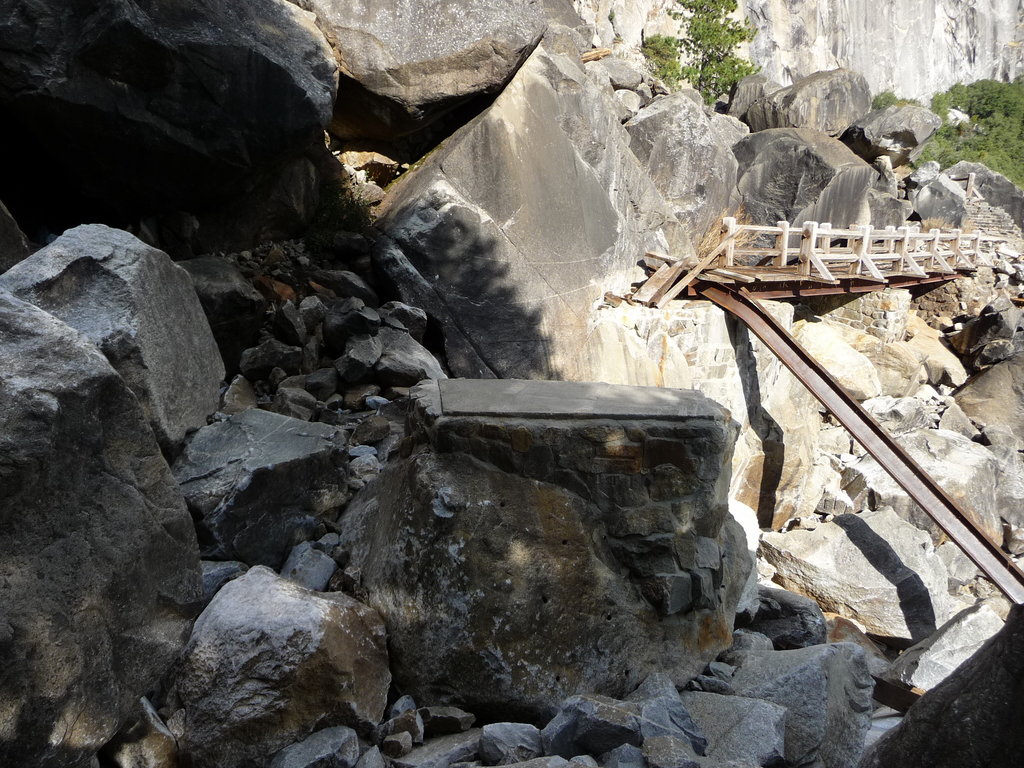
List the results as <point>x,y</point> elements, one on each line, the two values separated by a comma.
<point>710,42</point>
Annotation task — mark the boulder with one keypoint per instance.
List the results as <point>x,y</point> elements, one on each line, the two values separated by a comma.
<point>997,190</point>
<point>940,202</point>
<point>13,243</point>
<point>596,509</point>
<point>826,691</point>
<point>941,365</point>
<point>992,336</point>
<point>898,133</point>
<point>141,311</point>
<point>442,751</point>
<point>440,721</point>
<point>738,729</point>
<point>874,568</point>
<point>217,573</point>
<point>789,620</point>
<point>99,578</point>
<point>403,361</point>
<point>935,658</point>
<point>504,743</point>
<point>404,68</point>
<point>146,742</point>
<point>258,483</point>
<point>965,470</point>
<point>257,362</point>
<point>233,307</point>
<point>996,396</point>
<point>849,367</point>
<point>825,101</point>
<point>511,271</point>
<point>747,91</point>
<point>694,170</point>
<point>899,415</point>
<point>971,719</point>
<point>309,566</point>
<point>336,747</point>
<point>204,101</point>
<point>269,662</point>
<point>799,175</point>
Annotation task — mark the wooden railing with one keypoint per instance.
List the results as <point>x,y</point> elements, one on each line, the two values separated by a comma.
<point>819,252</point>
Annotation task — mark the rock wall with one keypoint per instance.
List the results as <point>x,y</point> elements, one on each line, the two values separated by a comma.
<point>914,49</point>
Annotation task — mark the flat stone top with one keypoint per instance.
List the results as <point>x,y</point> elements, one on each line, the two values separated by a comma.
<point>570,399</point>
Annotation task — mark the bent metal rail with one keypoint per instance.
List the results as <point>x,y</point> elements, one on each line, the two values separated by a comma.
<point>957,524</point>
<point>822,255</point>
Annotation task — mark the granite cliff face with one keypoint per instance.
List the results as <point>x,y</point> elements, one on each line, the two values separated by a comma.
<point>914,49</point>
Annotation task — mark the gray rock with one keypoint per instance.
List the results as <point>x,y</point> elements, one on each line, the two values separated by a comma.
<point>402,705</point>
<point>746,731</point>
<point>789,620</point>
<point>940,202</point>
<point>346,318</point>
<point>524,468</point>
<point>971,719</point>
<point>594,724</point>
<point>361,354</point>
<point>396,744</point>
<point>140,310</point>
<point>999,321</point>
<point>620,73</point>
<point>345,284</point>
<point>269,662</point>
<point>899,415</point>
<point>323,382</point>
<point>669,752</point>
<point>233,307</point>
<point>309,567</point>
<point>13,243</point>
<point>440,721</point>
<point>826,691</point>
<point>825,101</point>
<point>313,311</point>
<point>996,396</point>
<point>403,361</point>
<point>217,573</point>
<point>694,170</point>
<point>886,210</point>
<point>505,743</point>
<point>205,102</point>
<point>626,756</point>
<point>800,175</point>
<point>574,212</point>
<point>99,579</point>
<point>994,187</point>
<point>258,483</point>
<point>874,568</point>
<point>898,133</point>
<point>372,758</point>
<point>145,742</point>
<point>442,751</point>
<point>748,90</point>
<point>412,319</point>
<point>238,397</point>
<point>631,103</point>
<point>935,658</point>
<point>289,325</point>
<point>294,402</point>
<point>257,362</point>
<point>410,65</point>
<point>336,747</point>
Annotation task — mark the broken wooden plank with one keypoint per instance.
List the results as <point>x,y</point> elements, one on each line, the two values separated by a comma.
<point>647,292</point>
<point>596,54</point>
<point>732,275</point>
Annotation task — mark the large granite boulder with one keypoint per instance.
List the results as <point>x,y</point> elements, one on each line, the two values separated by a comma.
<point>971,719</point>
<point>140,310</point>
<point>555,538</point>
<point>233,307</point>
<point>510,270</point>
<point>13,243</point>
<point>994,187</point>
<point>258,483</point>
<point>899,133</point>
<point>201,99</point>
<point>846,364</point>
<point>965,470</point>
<point>940,202</point>
<point>99,576</point>
<point>996,396</point>
<point>874,568</point>
<point>826,691</point>
<point>405,64</point>
<point>692,168</point>
<point>825,101</point>
<point>269,662</point>
<point>799,175</point>
<point>748,90</point>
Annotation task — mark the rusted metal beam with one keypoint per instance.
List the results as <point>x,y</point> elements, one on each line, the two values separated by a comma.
<point>918,484</point>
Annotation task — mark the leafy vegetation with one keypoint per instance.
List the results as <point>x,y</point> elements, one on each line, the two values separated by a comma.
<point>709,44</point>
<point>340,210</point>
<point>994,134</point>
<point>890,99</point>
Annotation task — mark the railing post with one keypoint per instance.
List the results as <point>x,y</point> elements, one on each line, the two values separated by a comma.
<point>729,223</point>
<point>783,244</point>
<point>808,241</point>
<point>933,247</point>
<point>959,257</point>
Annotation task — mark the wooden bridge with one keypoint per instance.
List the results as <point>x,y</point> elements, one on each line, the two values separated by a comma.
<point>787,261</point>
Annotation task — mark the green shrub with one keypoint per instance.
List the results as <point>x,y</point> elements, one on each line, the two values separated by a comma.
<point>994,135</point>
<point>890,99</point>
<point>340,209</point>
<point>662,52</point>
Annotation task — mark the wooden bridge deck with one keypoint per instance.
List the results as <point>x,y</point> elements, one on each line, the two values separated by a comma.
<point>786,261</point>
